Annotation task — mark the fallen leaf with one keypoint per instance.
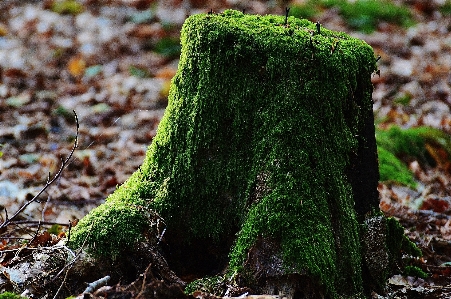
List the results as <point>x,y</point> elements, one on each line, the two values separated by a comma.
<point>435,204</point>
<point>14,73</point>
<point>76,66</point>
<point>3,30</point>
<point>42,239</point>
<point>166,73</point>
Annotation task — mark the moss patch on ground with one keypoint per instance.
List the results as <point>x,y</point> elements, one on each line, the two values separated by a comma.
<point>392,169</point>
<point>262,118</point>
<point>397,147</point>
<point>9,295</point>
<point>363,15</point>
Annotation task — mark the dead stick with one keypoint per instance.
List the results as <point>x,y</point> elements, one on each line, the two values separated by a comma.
<point>36,222</point>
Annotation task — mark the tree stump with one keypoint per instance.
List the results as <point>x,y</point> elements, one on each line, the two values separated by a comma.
<point>265,160</point>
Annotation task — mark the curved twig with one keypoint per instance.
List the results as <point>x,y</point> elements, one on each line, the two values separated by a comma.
<point>49,181</point>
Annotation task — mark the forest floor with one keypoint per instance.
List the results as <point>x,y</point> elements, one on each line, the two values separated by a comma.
<point>112,61</point>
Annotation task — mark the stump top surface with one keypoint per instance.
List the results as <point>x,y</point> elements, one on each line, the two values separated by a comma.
<point>291,32</point>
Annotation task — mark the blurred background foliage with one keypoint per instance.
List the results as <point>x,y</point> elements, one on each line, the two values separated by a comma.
<point>362,15</point>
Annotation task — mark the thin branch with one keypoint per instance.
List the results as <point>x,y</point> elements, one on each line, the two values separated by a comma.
<point>36,222</point>
<point>61,285</point>
<point>49,181</point>
<point>44,209</point>
<point>30,249</point>
<point>68,234</point>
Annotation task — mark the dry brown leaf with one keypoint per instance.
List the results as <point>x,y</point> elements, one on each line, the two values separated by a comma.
<point>76,66</point>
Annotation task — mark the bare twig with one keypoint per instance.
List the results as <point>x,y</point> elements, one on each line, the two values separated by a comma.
<point>36,222</point>
<point>61,285</point>
<point>44,209</point>
<point>49,181</point>
<point>30,249</point>
<point>49,197</point>
<point>13,238</point>
<point>68,234</point>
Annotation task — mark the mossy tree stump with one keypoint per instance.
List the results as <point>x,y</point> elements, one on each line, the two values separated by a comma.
<point>265,159</point>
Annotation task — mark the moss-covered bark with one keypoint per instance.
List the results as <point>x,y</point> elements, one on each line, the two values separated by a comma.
<point>264,141</point>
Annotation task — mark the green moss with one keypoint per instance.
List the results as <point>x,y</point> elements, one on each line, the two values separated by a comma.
<point>387,250</point>
<point>111,229</point>
<point>415,271</point>
<point>168,47</point>
<point>391,169</point>
<point>405,142</point>
<point>399,245</point>
<point>138,72</point>
<point>64,112</point>
<point>9,295</point>
<point>214,285</point>
<point>412,142</point>
<point>261,120</point>
<point>55,229</point>
<point>446,7</point>
<point>67,7</point>
<point>307,10</point>
<point>403,99</point>
<point>364,15</point>
<point>397,146</point>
